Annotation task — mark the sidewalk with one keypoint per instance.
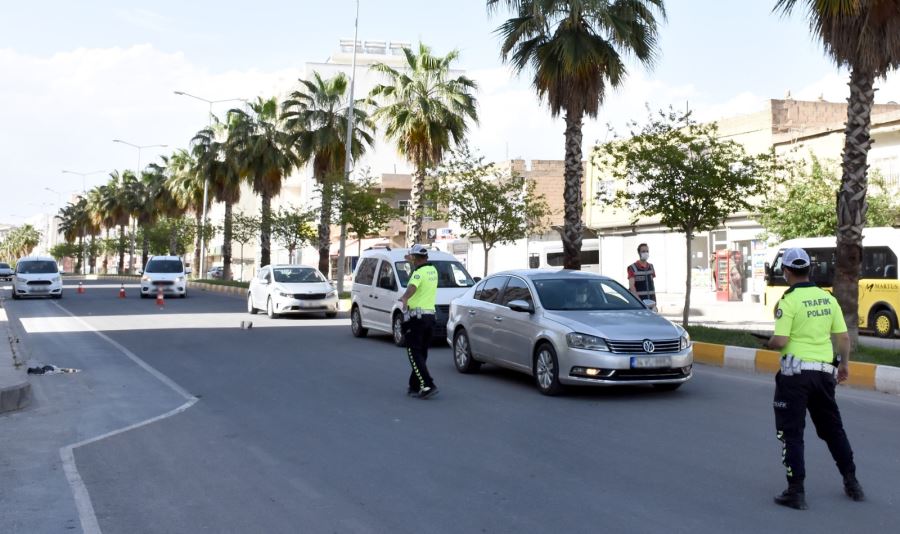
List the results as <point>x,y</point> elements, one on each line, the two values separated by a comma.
<point>15,389</point>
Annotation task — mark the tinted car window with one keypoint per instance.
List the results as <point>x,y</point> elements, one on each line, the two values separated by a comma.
<point>365,273</point>
<point>516,289</point>
<point>450,273</point>
<point>386,277</point>
<point>4,266</point>
<point>164,266</point>
<point>297,275</point>
<point>478,290</point>
<point>36,267</point>
<point>491,290</point>
<point>585,294</point>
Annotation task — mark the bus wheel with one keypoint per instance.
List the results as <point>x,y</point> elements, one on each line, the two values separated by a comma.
<point>884,323</point>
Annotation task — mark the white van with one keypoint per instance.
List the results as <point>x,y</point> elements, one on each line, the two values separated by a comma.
<point>380,280</point>
<point>37,276</point>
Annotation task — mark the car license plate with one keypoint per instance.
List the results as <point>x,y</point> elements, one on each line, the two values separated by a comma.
<point>650,362</point>
<point>309,303</point>
<point>39,290</point>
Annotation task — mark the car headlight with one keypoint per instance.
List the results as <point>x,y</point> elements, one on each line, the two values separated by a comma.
<point>286,295</point>
<point>56,280</point>
<point>586,341</point>
<point>685,341</point>
<point>179,279</point>
<point>331,293</point>
<point>145,279</point>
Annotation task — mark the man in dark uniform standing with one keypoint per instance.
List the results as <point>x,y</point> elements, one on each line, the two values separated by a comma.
<point>418,304</point>
<point>641,275</point>
<point>806,318</point>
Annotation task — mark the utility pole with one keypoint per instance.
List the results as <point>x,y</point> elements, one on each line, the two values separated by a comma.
<point>342,248</point>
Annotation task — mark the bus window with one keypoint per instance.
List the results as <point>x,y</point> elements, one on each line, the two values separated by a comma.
<point>878,263</point>
<point>588,257</point>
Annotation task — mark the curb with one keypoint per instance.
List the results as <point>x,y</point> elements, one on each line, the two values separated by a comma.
<point>15,389</point>
<point>883,378</point>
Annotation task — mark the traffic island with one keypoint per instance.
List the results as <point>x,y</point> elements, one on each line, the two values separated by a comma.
<point>15,389</point>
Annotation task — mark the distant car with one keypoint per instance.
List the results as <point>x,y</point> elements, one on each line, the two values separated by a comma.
<point>6,272</point>
<point>291,289</point>
<point>567,327</point>
<point>380,280</point>
<point>37,276</point>
<point>166,273</point>
<point>215,273</point>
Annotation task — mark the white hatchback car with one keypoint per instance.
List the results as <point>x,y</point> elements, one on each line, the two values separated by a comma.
<point>380,280</point>
<point>37,276</point>
<point>291,289</point>
<point>166,274</point>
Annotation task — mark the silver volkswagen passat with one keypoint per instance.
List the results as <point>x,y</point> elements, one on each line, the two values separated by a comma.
<point>567,328</point>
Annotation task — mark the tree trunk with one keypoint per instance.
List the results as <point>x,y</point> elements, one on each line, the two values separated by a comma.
<point>195,268</point>
<point>133,228</point>
<point>226,242</point>
<point>79,261</point>
<point>265,230</point>
<point>487,250</point>
<point>686,313</point>
<point>106,254</point>
<point>851,198</point>
<point>145,249</point>
<point>573,227</point>
<point>242,262</point>
<point>121,247</point>
<point>324,243</point>
<point>92,258</point>
<point>417,205</point>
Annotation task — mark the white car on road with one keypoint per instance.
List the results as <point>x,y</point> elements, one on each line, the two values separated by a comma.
<point>291,289</point>
<point>166,274</point>
<point>37,276</point>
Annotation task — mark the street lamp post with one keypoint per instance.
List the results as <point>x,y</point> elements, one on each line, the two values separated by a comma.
<point>138,176</point>
<point>202,271</point>
<point>342,248</point>
<point>84,175</point>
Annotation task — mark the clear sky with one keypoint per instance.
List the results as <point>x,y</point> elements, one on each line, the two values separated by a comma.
<point>75,75</point>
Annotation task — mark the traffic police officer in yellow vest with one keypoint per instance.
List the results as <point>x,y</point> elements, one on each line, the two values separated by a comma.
<point>418,303</point>
<point>806,318</point>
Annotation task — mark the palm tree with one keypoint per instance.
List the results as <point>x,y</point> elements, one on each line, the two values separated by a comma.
<point>122,208</point>
<point>860,35</point>
<point>576,51</point>
<point>101,202</point>
<point>73,222</point>
<point>186,185</point>
<point>425,112</point>
<point>262,153</point>
<point>316,118</point>
<point>158,203</point>
<point>225,183</point>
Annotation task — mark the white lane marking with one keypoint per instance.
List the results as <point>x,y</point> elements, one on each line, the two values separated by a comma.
<point>167,321</point>
<point>80,492</point>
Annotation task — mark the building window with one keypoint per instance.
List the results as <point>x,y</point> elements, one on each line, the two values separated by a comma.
<point>403,206</point>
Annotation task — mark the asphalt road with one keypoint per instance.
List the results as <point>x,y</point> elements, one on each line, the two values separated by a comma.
<point>296,426</point>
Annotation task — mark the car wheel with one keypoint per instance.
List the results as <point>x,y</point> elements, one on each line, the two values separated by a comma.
<point>14,296</point>
<point>546,370</point>
<point>884,323</point>
<point>356,326</point>
<point>270,309</point>
<point>397,329</point>
<point>184,295</point>
<point>462,354</point>
<point>57,297</point>
<point>667,387</point>
<point>251,309</point>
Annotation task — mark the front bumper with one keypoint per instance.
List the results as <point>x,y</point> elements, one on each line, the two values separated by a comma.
<point>151,288</point>
<point>585,367</point>
<point>37,291</point>
<point>288,306</point>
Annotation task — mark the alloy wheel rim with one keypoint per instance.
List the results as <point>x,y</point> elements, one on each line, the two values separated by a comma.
<point>354,320</point>
<point>398,330</point>
<point>545,369</point>
<point>882,325</point>
<point>462,351</point>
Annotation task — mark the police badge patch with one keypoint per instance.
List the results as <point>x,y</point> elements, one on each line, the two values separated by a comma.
<point>778,313</point>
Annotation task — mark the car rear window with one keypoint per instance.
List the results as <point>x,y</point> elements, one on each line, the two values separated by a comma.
<point>37,267</point>
<point>164,266</point>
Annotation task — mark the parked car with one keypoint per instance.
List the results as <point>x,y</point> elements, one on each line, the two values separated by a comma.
<point>37,276</point>
<point>6,272</point>
<point>291,289</point>
<point>380,280</point>
<point>216,273</point>
<point>166,273</point>
<point>567,328</point>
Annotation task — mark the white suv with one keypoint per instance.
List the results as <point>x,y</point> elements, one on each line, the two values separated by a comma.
<point>37,276</point>
<point>164,273</point>
<point>380,280</point>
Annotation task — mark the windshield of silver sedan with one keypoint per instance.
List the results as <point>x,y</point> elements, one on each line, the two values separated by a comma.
<point>297,275</point>
<point>568,294</point>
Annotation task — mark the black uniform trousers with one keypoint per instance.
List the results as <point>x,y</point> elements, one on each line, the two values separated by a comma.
<point>417,333</point>
<point>794,395</point>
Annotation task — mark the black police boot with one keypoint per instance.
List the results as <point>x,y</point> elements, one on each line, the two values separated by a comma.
<point>853,489</point>
<point>793,497</point>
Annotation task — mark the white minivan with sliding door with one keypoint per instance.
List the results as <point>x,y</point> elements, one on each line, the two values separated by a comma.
<point>380,280</point>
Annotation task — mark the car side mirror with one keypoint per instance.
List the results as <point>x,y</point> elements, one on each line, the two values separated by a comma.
<point>521,306</point>
<point>650,304</point>
<point>477,279</point>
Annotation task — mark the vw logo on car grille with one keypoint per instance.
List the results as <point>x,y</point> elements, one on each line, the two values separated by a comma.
<point>648,346</point>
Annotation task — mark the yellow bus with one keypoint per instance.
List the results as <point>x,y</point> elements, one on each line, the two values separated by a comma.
<point>879,287</point>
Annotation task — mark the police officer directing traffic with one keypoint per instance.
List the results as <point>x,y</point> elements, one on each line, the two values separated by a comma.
<point>806,318</point>
<point>418,303</point>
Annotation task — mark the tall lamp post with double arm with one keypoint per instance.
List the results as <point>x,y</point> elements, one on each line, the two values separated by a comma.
<point>206,178</point>
<point>84,175</point>
<point>137,174</point>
